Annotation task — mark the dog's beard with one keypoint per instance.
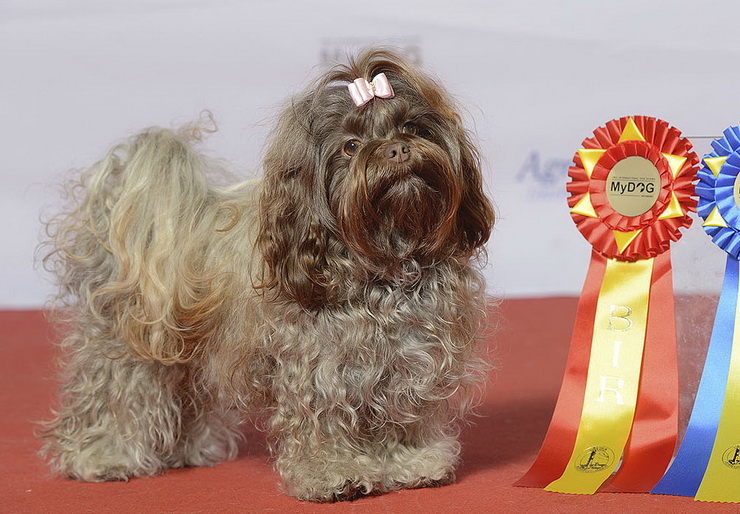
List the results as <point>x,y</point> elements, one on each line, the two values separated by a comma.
<point>393,215</point>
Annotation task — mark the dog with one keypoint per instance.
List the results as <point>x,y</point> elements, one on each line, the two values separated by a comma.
<point>339,297</point>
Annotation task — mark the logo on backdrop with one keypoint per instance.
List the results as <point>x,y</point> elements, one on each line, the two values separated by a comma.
<point>333,50</point>
<point>544,178</point>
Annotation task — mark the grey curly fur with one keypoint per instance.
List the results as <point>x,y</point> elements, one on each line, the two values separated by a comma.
<point>339,297</point>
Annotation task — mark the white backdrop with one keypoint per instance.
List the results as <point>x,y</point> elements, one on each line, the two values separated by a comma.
<point>535,77</point>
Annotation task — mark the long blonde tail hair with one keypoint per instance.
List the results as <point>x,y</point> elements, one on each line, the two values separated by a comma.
<point>130,253</point>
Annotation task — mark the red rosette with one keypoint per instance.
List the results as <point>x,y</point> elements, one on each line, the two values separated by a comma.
<point>649,233</point>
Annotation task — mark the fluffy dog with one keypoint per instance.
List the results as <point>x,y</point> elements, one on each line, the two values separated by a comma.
<point>339,296</point>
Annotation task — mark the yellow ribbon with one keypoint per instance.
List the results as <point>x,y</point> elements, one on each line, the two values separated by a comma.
<point>721,482</point>
<point>613,377</point>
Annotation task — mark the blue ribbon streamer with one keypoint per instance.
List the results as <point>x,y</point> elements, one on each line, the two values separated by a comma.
<point>685,474</point>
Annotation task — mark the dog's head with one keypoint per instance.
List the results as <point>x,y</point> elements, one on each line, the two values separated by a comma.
<point>381,190</point>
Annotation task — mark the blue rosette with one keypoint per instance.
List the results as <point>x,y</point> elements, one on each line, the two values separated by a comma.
<point>716,190</point>
<point>719,206</point>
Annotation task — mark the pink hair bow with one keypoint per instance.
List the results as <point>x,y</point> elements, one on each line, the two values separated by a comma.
<point>363,91</point>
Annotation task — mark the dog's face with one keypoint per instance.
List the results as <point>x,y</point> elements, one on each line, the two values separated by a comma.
<point>385,188</point>
<point>395,179</point>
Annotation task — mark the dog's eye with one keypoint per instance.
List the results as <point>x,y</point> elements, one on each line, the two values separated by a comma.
<point>410,128</point>
<point>351,147</point>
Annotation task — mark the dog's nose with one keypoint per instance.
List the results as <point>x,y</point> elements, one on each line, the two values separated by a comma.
<point>398,153</point>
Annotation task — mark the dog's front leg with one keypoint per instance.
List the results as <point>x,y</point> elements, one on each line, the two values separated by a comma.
<point>322,451</point>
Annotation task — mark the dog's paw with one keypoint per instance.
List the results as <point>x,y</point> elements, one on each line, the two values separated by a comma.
<point>337,480</point>
<point>350,490</point>
<point>327,489</point>
<point>323,488</point>
<point>87,473</point>
<point>95,462</point>
<point>447,479</point>
<point>86,468</point>
<point>428,466</point>
<point>203,452</point>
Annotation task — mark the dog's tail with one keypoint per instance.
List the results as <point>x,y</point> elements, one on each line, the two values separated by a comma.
<point>130,251</point>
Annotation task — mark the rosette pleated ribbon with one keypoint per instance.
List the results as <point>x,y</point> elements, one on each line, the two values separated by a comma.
<point>631,191</point>
<point>707,465</point>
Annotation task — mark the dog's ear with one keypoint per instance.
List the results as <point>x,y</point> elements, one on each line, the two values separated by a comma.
<point>292,239</point>
<point>475,216</point>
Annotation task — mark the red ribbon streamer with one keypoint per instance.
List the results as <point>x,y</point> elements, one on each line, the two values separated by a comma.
<point>653,436</point>
<point>561,436</point>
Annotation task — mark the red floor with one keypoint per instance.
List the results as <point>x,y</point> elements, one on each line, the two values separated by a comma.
<point>530,350</point>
